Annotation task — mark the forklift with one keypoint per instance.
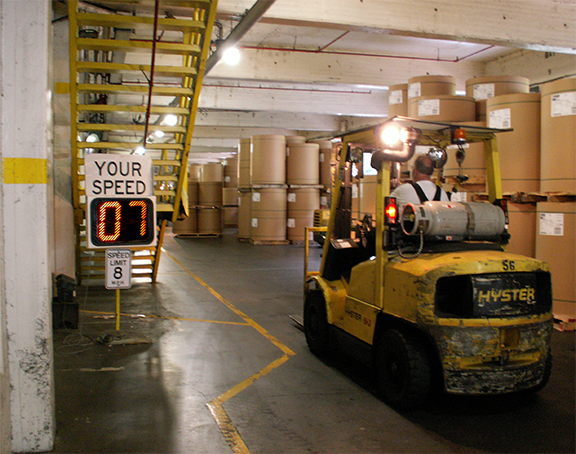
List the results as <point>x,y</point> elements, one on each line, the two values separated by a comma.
<point>427,293</point>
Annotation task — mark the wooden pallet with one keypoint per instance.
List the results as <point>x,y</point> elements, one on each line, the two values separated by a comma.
<point>564,322</point>
<point>186,236</point>
<point>268,243</point>
<point>530,197</point>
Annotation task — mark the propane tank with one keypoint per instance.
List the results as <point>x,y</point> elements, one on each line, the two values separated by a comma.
<point>474,220</point>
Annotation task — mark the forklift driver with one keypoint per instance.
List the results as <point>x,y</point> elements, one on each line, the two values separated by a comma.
<point>421,188</point>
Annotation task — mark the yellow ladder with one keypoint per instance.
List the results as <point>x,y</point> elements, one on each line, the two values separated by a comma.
<point>135,80</point>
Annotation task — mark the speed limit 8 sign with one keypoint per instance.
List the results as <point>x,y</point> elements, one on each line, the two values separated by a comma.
<point>118,268</point>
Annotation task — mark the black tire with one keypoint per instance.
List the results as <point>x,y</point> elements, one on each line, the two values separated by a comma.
<point>403,369</point>
<point>316,324</point>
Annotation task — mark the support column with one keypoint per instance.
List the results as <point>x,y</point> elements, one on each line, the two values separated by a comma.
<point>25,149</point>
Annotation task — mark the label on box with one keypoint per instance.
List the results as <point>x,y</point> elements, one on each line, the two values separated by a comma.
<point>290,223</point>
<point>291,197</point>
<point>227,179</point>
<point>321,157</point>
<point>563,104</point>
<point>459,197</point>
<point>323,200</point>
<point>254,222</point>
<point>551,224</point>
<point>395,97</point>
<point>414,90</point>
<point>484,91</point>
<point>428,107</point>
<point>500,119</point>
<point>255,197</point>
<point>354,192</point>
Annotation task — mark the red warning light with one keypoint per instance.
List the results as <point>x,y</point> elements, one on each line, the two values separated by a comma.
<point>390,210</point>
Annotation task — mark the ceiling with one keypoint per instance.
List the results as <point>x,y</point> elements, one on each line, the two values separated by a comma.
<point>318,67</point>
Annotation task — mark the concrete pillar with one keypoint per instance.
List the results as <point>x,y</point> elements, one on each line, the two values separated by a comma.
<point>27,206</point>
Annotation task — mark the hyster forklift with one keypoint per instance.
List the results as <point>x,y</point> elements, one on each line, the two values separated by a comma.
<point>427,293</point>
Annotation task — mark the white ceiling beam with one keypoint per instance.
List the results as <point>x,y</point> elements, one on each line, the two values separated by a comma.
<point>264,120</point>
<point>337,102</point>
<point>545,25</point>
<point>319,67</point>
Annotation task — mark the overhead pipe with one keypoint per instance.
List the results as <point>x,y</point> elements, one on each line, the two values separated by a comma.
<point>152,66</point>
<point>253,15</point>
<point>360,54</point>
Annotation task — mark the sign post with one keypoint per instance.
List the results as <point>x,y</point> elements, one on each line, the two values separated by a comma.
<point>118,274</point>
<point>120,211</point>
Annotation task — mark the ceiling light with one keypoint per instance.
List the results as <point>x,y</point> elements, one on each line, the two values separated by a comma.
<point>159,134</point>
<point>92,137</point>
<point>170,120</point>
<point>140,150</point>
<point>231,56</point>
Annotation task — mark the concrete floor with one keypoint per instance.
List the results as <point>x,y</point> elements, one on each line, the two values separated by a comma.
<point>228,371</point>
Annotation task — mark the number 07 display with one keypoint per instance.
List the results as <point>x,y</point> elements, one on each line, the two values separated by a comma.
<point>121,221</point>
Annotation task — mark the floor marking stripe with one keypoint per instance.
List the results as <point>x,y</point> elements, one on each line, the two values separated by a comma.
<point>237,311</point>
<point>227,428</point>
<point>216,407</point>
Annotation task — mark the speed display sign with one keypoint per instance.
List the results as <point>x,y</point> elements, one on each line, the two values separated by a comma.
<point>120,205</point>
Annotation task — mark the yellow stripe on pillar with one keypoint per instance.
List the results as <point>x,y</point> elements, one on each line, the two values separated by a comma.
<point>25,171</point>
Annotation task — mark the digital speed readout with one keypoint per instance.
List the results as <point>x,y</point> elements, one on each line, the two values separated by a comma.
<point>122,221</point>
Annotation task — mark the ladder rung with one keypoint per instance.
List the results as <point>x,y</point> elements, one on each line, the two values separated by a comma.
<point>158,193</point>
<point>116,4</point>
<point>165,178</point>
<point>102,268</point>
<point>142,109</point>
<point>166,162</point>
<point>100,252</point>
<point>164,207</point>
<point>156,90</point>
<point>116,127</point>
<point>139,22</point>
<point>119,45</point>
<point>129,146</point>
<point>113,68</point>
<point>100,258</point>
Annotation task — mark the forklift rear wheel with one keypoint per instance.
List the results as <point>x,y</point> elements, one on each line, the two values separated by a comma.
<point>316,324</point>
<point>545,376</point>
<point>403,369</point>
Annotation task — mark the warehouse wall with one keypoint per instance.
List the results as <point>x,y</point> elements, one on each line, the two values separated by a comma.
<point>26,224</point>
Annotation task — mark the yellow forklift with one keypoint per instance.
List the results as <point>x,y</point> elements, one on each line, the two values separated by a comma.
<point>428,294</point>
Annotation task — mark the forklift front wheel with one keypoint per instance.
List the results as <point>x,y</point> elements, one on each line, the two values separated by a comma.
<point>403,369</point>
<point>316,324</point>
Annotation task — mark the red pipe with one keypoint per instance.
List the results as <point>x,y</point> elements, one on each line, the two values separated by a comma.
<point>358,54</point>
<point>152,64</point>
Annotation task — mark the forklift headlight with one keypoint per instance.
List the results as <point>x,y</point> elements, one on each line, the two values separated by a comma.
<point>399,144</point>
<point>391,137</point>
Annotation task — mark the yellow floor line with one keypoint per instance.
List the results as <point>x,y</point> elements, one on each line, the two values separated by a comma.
<point>216,407</point>
<point>241,314</point>
<point>224,422</point>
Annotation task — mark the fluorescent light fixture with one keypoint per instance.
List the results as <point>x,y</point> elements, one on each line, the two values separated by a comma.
<point>231,56</point>
<point>159,134</point>
<point>140,150</point>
